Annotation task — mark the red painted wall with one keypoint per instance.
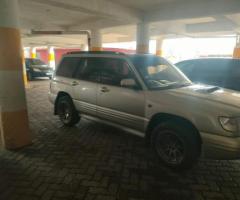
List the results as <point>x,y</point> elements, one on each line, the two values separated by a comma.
<point>60,52</point>
<point>43,53</point>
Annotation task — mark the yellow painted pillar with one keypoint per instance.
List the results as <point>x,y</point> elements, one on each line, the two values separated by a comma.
<point>236,52</point>
<point>142,43</point>
<point>159,43</point>
<point>96,40</point>
<point>51,57</point>
<point>24,70</point>
<point>33,52</point>
<point>14,128</point>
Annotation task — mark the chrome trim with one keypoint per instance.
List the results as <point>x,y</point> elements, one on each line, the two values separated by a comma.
<point>129,130</point>
<point>85,107</point>
<point>122,117</point>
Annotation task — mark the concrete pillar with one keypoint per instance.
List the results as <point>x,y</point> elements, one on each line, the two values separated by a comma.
<point>159,42</point>
<point>96,40</point>
<point>142,43</point>
<point>24,70</point>
<point>14,129</point>
<point>33,52</point>
<point>51,57</point>
<point>236,52</point>
<point>84,47</point>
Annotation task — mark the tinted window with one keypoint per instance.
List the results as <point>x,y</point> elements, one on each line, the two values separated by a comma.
<point>213,67</point>
<point>68,66</point>
<point>109,71</point>
<point>90,69</point>
<point>114,70</point>
<point>233,80</point>
<point>212,72</point>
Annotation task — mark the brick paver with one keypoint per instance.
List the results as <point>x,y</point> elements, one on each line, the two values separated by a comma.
<point>97,162</point>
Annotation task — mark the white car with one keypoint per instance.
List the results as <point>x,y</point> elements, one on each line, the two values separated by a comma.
<point>149,97</point>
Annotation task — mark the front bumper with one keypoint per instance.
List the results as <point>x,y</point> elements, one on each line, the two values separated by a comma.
<point>220,147</point>
<point>42,74</point>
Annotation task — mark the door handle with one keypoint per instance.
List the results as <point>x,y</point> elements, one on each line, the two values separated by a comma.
<point>74,83</point>
<point>104,89</point>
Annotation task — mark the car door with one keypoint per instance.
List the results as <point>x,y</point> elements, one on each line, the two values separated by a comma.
<point>233,77</point>
<point>85,86</point>
<point>122,105</point>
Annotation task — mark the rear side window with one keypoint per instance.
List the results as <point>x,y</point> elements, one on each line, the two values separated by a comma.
<point>90,69</point>
<point>68,66</point>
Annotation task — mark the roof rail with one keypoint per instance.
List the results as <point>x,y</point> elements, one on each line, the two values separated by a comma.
<point>97,52</point>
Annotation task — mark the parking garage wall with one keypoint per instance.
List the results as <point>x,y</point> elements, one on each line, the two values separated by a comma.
<point>59,52</point>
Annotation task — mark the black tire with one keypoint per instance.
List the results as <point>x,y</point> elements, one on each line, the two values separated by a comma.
<point>29,76</point>
<point>177,145</point>
<point>67,112</point>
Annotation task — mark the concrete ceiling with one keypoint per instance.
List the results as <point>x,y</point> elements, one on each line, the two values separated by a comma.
<point>117,19</point>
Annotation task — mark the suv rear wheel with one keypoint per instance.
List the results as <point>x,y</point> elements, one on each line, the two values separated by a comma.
<point>67,112</point>
<point>176,145</point>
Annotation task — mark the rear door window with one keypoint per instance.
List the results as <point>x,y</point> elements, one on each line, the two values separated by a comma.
<point>90,69</point>
<point>68,66</point>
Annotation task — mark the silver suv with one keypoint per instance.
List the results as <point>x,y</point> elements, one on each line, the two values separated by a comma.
<point>149,97</point>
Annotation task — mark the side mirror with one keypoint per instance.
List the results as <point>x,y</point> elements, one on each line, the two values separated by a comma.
<point>129,83</point>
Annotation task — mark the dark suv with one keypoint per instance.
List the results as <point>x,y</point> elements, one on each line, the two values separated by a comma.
<point>222,72</point>
<point>37,68</point>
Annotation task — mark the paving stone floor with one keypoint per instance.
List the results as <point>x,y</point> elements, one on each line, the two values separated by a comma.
<point>93,161</point>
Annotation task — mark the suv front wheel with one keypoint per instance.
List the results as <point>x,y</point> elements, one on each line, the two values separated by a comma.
<point>176,145</point>
<point>67,112</point>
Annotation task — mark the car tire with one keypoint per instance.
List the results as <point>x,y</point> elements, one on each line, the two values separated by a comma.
<point>176,145</point>
<point>67,112</point>
<point>29,76</point>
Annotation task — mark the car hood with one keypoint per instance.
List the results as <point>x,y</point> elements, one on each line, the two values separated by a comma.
<point>211,93</point>
<point>197,98</point>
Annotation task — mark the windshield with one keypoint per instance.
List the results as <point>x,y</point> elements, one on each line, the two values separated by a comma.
<point>158,73</point>
<point>37,62</point>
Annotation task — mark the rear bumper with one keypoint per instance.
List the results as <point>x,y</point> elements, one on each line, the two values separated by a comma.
<point>220,147</point>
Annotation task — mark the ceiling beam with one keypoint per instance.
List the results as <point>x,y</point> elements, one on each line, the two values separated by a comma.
<point>101,8</point>
<point>192,9</point>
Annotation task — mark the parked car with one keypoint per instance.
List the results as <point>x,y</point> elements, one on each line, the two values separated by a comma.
<point>149,97</point>
<point>37,68</point>
<point>222,72</point>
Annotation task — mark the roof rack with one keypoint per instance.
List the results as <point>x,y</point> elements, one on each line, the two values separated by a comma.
<point>97,52</point>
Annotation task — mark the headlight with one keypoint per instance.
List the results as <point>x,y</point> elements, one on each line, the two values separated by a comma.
<point>230,124</point>
<point>36,70</point>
